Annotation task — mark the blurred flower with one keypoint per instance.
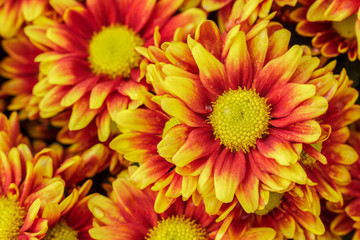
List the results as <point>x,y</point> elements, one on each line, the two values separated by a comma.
<point>71,218</point>
<point>23,72</point>
<point>14,12</point>
<point>348,218</point>
<point>334,26</point>
<point>90,65</point>
<point>129,214</point>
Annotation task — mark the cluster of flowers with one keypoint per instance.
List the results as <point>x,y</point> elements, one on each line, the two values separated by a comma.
<point>206,121</point>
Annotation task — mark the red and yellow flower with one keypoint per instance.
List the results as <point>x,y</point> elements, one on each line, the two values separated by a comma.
<point>129,214</point>
<point>25,190</point>
<point>334,26</point>
<point>229,115</point>
<point>13,13</point>
<point>327,160</point>
<point>70,219</point>
<point>90,65</point>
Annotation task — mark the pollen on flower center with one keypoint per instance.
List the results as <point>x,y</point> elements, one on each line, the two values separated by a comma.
<point>274,201</point>
<point>61,231</point>
<point>177,228</point>
<point>12,217</point>
<point>239,118</point>
<point>307,160</point>
<point>346,27</point>
<point>112,51</point>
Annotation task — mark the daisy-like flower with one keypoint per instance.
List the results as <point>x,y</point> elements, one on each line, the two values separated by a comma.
<point>129,214</point>
<point>71,218</point>
<point>90,66</point>
<point>23,73</point>
<point>13,13</point>
<point>348,218</point>
<point>24,192</point>
<point>334,26</point>
<point>326,161</point>
<point>235,111</point>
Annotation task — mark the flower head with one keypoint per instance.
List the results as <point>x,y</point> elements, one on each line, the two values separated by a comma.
<point>129,214</point>
<point>229,114</point>
<point>90,64</point>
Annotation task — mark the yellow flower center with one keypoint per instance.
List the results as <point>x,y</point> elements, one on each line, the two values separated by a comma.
<point>307,160</point>
<point>61,231</point>
<point>177,228</point>
<point>239,118</point>
<point>12,217</point>
<point>112,51</point>
<point>346,27</point>
<point>274,201</point>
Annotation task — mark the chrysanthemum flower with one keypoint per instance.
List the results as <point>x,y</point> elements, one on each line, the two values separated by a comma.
<point>129,215</point>
<point>293,215</point>
<point>91,66</point>
<point>326,161</point>
<point>24,192</point>
<point>19,66</point>
<point>230,116</point>
<point>334,26</point>
<point>14,12</point>
<point>71,218</point>
<point>348,218</point>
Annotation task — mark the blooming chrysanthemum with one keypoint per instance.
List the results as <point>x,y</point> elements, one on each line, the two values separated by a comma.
<point>326,161</point>
<point>19,66</point>
<point>348,218</point>
<point>294,214</point>
<point>230,116</point>
<point>90,66</point>
<point>24,192</point>
<point>334,26</point>
<point>129,215</point>
<point>14,12</point>
<point>70,219</point>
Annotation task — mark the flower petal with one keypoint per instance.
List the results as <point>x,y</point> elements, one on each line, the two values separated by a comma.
<point>81,114</point>
<point>307,131</point>
<point>200,143</point>
<point>139,13</point>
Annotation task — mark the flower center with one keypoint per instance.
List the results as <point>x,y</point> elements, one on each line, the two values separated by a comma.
<point>307,160</point>
<point>11,218</point>
<point>239,118</point>
<point>274,201</point>
<point>112,51</point>
<point>177,228</point>
<point>346,27</point>
<point>61,231</point>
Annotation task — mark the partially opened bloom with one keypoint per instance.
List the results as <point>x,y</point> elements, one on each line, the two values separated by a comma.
<point>23,195</point>
<point>229,113</point>
<point>90,65</point>
<point>334,26</point>
<point>13,13</point>
<point>70,219</point>
<point>129,215</point>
